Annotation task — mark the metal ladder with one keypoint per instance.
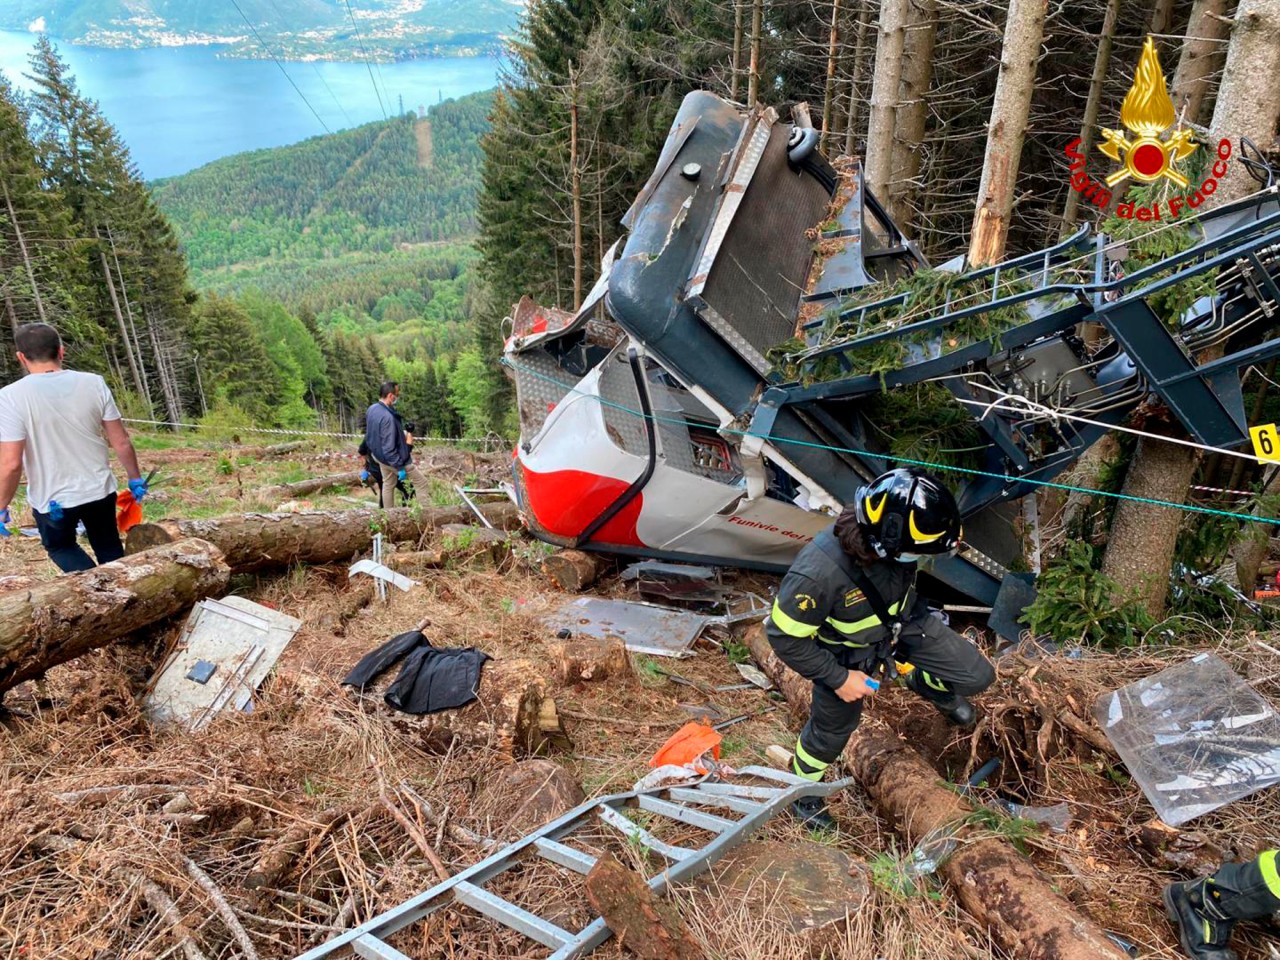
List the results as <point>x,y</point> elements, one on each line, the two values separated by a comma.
<point>756,804</point>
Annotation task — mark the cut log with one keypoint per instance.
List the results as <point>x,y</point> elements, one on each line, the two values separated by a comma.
<point>416,559</point>
<point>592,658</point>
<point>275,450</point>
<point>997,886</point>
<point>573,570</point>
<point>506,717</point>
<point>61,619</point>
<point>261,541</point>
<point>287,491</point>
<point>645,925</point>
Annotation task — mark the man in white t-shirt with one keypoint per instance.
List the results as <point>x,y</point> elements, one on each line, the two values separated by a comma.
<point>60,426</point>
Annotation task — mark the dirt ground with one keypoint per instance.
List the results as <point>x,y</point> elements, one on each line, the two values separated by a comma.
<point>125,840</point>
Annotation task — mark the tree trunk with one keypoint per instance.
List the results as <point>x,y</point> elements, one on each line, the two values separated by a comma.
<point>1093,106</point>
<point>59,620</point>
<point>573,570</point>
<point>1200,60</point>
<point>736,67</point>
<point>828,94</point>
<point>1023,35</point>
<point>1248,103</point>
<point>1161,18</point>
<point>124,330</point>
<point>997,886</point>
<point>885,84</point>
<point>22,250</point>
<point>757,24</point>
<point>854,115</point>
<point>275,450</point>
<point>913,109</point>
<point>287,491</point>
<point>575,187</point>
<point>262,541</point>
<point>128,312</point>
<point>1141,542</point>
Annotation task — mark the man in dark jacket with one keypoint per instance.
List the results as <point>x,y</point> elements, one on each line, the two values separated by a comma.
<point>385,437</point>
<point>848,607</point>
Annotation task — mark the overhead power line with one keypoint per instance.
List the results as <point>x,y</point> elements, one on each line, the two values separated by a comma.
<point>367,62</point>
<point>277,62</point>
<point>314,68</point>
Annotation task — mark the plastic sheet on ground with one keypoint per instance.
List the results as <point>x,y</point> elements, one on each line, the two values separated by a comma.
<point>1194,736</point>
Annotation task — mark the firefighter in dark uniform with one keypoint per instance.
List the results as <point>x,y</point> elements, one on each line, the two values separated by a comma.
<point>1206,909</point>
<point>825,627</point>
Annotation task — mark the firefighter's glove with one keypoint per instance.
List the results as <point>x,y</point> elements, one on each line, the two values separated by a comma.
<point>5,519</point>
<point>138,488</point>
<point>403,475</point>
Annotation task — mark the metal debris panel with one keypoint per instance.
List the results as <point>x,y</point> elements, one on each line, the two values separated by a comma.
<point>642,627</point>
<point>1195,736</point>
<point>240,639</point>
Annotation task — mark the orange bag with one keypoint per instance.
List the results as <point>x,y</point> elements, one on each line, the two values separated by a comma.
<point>128,511</point>
<point>686,745</point>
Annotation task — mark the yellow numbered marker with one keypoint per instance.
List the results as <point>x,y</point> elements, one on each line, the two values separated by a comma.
<point>1266,442</point>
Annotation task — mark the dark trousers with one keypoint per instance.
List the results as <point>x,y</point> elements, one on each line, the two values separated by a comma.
<point>1248,891</point>
<point>949,661</point>
<point>59,536</point>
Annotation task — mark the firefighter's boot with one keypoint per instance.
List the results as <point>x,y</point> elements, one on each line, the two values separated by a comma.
<point>812,812</point>
<point>958,711</point>
<point>1205,910</point>
<point>1203,927</point>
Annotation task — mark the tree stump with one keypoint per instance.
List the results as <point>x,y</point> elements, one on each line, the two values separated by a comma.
<point>521,797</point>
<point>591,658</point>
<point>573,570</point>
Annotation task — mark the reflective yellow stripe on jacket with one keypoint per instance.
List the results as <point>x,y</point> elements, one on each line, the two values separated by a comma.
<point>849,628</point>
<point>789,624</point>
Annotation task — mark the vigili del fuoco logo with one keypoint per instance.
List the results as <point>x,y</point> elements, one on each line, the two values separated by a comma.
<point>1146,155</point>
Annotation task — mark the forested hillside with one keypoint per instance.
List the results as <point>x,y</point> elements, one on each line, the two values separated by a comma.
<point>372,189</point>
<point>84,245</point>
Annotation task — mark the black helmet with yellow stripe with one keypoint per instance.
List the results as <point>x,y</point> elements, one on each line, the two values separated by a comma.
<point>907,513</point>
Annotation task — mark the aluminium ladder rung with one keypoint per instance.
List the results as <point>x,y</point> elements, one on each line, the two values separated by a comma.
<point>676,811</point>
<point>564,855</point>
<point>747,793</point>
<point>509,915</point>
<point>736,804</point>
<point>371,948</point>
<point>643,836</point>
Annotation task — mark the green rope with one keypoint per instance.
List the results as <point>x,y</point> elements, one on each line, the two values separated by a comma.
<point>1189,507</point>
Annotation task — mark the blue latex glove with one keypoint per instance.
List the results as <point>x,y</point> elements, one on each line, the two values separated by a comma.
<point>364,476</point>
<point>5,520</point>
<point>402,474</point>
<point>138,488</point>
<point>55,511</point>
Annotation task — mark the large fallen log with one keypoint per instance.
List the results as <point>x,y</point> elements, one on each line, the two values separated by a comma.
<point>261,541</point>
<point>61,619</point>
<point>287,491</point>
<point>996,885</point>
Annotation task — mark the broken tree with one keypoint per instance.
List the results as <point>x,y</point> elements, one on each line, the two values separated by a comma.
<point>53,622</point>
<point>261,541</point>
<point>287,491</point>
<point>996,885</point>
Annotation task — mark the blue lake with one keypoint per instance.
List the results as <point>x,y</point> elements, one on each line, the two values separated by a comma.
<point>180,107</point>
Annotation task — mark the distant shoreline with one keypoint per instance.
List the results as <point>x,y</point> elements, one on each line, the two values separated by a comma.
<point>243,48</point>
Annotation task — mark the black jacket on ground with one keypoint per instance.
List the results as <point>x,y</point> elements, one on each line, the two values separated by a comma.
<point>430,680</point>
